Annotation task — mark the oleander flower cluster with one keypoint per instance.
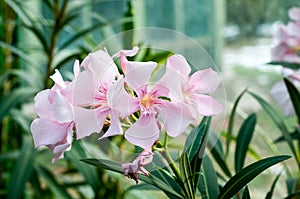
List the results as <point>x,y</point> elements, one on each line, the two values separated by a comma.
<point>125,101</point>
<point>287,39</point>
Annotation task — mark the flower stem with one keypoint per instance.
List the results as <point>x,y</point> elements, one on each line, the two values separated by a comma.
<point>169,159</point>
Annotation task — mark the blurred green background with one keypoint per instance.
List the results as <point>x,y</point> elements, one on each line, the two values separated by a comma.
<point>39,36</point>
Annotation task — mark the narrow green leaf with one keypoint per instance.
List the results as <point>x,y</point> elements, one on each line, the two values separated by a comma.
<point>246,193</point>
<point>291,184</point>
<point>270,193</point>
<point>208,182</point>
<point>243,141</point>
<point>187,175</point>
<point>88,171</point>
<point>55,187</point>
<point>195,138</point>
<point>294,136</point>
<point>19,53</point>
<point>286,65</point>
<point>40,36</point>
<point>231,122</point>
<point>292,196</point>
<point>22,171</point>
<point>18,8</point>
<point>91,29</point>
<point>278,122</point>
<point>244,176</point>
<point>116,167</point>
<point>295,97</point>
<point>15,97</point>
<point>195,145</point>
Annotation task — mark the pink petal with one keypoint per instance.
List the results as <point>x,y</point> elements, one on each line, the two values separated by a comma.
<point>48,132</point>
<point>204,81</point>
<point>144,132</point>
<point>84,89</point>
<point>294,13</point>
<point>61,109</point>
<point>179,64</point>
<point>138,74</point>
<point>60,149</point>
<point>280,95</point>
<point>115,125</point>
<point>118,99</point>
<point>176,117</point>
<point>57,78</point>
<point>88,121</point>
<point>76,68</point>
<point>127,53</point>
<point>103,67</point>
<point>42,104</point>
<point>169,86</point>
<point>207,106</point>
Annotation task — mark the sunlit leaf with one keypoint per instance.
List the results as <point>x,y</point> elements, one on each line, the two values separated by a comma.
<point>244,176</point>
<point>243,141</point>
<point>187,175</point>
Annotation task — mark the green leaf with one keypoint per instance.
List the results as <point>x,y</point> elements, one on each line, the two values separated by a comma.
<point>246,193</point>
<point>18,8</point>
<point>55,187</point>
<point>270,193</point>
<point>295,97</point>
<point>195,139</point>
<point>278,122</point>
<point>195,145</point>
<point>19,53</point>
<point>116,167</point>
<point>291,184</point>
<point>231,122</point>
<point>244,176</point>
<point>292,196</point>
<point>91,29</point>
<point>89,172</point>
<point>286,65</point>
<point>217,153</point>
<point>40,36</point>
<point>15,97</point>
<point>294,136</point>
<point>22,171</point>
<point>187,175</point>
<point>243,141</point>
<point>208,182</point>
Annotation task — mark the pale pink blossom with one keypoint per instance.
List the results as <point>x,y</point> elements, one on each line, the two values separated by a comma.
<point>137,166</point>
<point>55,125</point>
<point>93,101</point>
<point>286,47</point>
<point>196,88</point>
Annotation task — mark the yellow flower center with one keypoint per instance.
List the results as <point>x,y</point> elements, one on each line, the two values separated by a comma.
<point>296,48</point>
<point>147,101</point>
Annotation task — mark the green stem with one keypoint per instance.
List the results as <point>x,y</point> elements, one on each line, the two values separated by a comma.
<point>169,159</point>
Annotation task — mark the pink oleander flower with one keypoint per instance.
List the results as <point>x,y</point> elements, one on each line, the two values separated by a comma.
<point>93,103</point>
<point>137,166</point>
<point>195,87</point>
<point>145,131</point>
<point>286,46</point>
<point>55,125</point>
